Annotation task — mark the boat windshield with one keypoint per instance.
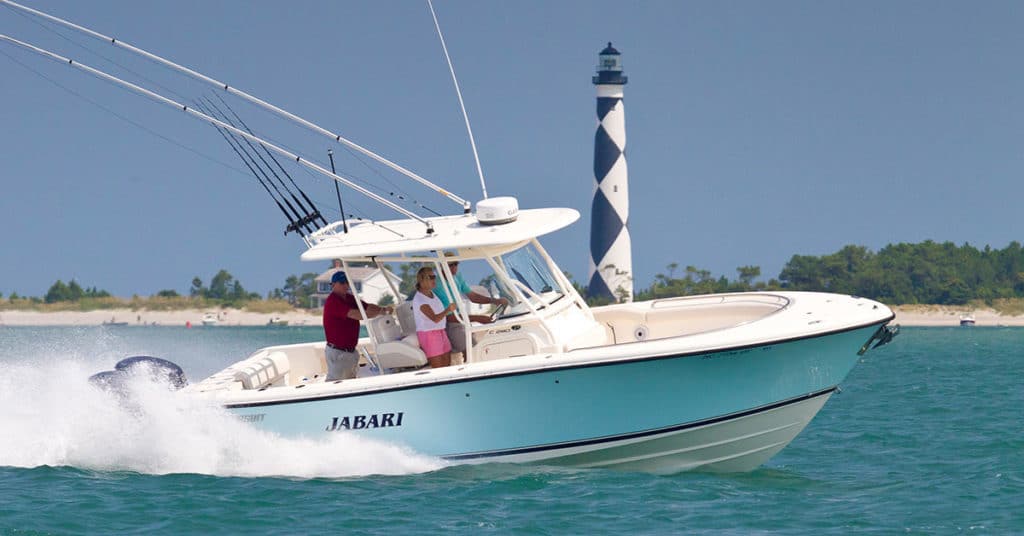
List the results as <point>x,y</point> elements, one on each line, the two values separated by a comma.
<point>526,267</point>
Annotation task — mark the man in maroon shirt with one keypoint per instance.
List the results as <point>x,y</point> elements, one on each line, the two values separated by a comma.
<point>341,328</point>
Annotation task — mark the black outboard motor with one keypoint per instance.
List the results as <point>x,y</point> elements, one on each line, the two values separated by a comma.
<point>161,370</point>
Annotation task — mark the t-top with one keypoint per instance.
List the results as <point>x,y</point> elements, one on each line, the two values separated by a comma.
<point>422,322</point>
<point>339,329</point>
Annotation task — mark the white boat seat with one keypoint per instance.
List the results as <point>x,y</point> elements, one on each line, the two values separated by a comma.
<point>407,319</point>
<point>263,371</point>
<point>396,347</point>
<point>384,328</point>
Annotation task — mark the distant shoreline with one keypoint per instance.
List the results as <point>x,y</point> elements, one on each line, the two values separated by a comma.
<point>182,318</point>
<point>944,315</point>
<point>906,315</point>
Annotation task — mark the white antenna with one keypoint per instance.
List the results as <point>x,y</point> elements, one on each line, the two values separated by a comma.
<point>239,93</point>
<point>193,112</point>
<point>458,92</point>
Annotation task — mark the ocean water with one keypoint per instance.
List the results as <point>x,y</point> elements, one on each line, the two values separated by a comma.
<point>926,437</point>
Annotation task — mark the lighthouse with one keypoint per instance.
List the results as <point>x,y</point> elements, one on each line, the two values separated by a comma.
<point>611,260</point>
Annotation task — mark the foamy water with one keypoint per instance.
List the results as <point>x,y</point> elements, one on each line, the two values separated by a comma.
<point>54,417</point>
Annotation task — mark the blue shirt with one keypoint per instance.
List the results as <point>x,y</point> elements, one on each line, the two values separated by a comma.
<point>442,292</point>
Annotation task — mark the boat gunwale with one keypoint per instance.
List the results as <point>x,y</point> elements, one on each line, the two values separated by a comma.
<point>553,368</point>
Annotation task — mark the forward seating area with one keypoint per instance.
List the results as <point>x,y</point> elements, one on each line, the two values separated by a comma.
<point>675,317</point>
<point>270,370</point>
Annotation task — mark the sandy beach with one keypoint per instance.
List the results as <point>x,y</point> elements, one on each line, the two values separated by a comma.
<point>906,315</point>
<point>187,317</point>
<point>936,315</point>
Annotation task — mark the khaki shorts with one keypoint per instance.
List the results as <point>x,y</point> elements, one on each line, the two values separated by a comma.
<point>341,365</point>
<point>457,336</point>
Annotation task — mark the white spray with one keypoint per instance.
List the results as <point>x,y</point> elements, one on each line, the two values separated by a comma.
<point>54,417</point>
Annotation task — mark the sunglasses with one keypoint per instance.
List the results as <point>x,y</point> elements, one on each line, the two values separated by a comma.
<point>431,276</point>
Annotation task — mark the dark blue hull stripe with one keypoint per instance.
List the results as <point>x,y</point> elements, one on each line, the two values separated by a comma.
<point>644,433</point>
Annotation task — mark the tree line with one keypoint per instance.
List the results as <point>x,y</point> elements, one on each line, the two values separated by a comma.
<point>925,273</point>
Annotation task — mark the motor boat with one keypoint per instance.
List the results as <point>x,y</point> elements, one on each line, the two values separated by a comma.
<point>277,321</point>
<point>967,320</point>
<point>210,319</point>
<point>717,382</point>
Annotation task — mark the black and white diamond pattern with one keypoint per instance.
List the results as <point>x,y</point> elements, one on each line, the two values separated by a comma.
<point>611,262</point>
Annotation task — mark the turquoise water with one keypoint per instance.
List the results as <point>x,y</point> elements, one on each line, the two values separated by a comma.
<point>926,437</point>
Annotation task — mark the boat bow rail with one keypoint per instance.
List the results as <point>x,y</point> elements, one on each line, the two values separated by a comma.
<point>713,323</point>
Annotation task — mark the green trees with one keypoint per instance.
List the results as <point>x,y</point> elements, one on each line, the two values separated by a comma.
<point>298,288</point>
<point>223,288</point>
<point>925,273</point>
<point>71,292</point>
<point>929,272</point>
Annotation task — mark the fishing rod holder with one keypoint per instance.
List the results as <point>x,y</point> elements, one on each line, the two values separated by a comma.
<point>308,219</point>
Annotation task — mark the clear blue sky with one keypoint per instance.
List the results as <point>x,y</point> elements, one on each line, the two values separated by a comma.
<point>756,130</point>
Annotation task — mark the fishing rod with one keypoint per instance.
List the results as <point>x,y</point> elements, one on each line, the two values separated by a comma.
<point>308,215</point>
<point>466,206</point>
<point>291,222</point>
<point>199,115</point>
<point>294,223</point>
<point>312,208</point>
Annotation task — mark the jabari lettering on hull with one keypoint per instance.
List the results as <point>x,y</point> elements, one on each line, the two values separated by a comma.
<point>360,422</point>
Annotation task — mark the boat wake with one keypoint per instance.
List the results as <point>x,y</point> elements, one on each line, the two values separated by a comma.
<point>54,417</point>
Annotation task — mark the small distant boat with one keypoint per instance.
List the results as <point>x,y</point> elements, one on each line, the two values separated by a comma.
<point>210,319</point>
<point>967,320</point>
<point>111,322</point>
<point>277,321</point>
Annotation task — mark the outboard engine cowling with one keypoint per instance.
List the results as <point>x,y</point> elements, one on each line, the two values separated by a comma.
<point>160,370</point>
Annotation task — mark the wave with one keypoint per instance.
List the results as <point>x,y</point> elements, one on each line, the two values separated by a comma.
<point>52,416</point>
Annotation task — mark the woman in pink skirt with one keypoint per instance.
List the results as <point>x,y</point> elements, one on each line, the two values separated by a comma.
<point>430,319</point>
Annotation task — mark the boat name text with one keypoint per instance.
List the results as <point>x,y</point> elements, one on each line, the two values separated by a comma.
<point>360,422</point>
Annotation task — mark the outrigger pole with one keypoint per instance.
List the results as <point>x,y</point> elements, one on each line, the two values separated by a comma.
<point>458,91</point>
<point>195,113</point>
<point>466,207</point>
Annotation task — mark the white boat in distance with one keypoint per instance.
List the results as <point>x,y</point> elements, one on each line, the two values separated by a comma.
<point>718,382</point>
